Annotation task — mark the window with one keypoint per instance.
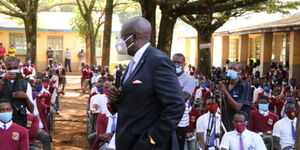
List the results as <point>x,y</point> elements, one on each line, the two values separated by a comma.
<point>18,41</point>
<point>55,42</point>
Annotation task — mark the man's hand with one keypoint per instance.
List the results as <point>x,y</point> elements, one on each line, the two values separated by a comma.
<point>8,76</point>
<point>105,136</point>
<point>113,94</point>
<point>221,86</point>
<point>19,94</point>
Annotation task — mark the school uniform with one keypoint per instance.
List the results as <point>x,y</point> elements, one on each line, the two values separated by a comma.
<point>32,127</point>
<point>101,101</point>
<point>262,121</point>
<point>13,137</point>
<point>285,129</point>
<point>106,123</point>
<point>246,140</point>
<point>43,105</point>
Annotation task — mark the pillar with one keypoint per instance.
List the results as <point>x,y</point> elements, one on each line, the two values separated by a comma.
<point>225,49</point>
<point>187,51</point>
<point>243,49</point>
<point>294,57</point>
<point>266,52</point>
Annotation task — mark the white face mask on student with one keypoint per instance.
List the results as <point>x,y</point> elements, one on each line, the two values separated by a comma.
<point>121,46</point>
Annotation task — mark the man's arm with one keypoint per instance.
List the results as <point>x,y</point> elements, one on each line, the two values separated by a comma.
<point>237,106</point>
<point>170,96</point>
<point>200,137</point>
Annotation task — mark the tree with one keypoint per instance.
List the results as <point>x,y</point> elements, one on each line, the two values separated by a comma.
<point>107,32</point>
<point>149,12</point>
<point>207,24</point>
<point>27,11</point>
<point>87,27</point>
<point>172,9</point>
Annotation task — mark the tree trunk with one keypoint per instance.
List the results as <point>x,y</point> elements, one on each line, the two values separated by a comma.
<point>149,12</point>
<point>88,50</point>
<point>165,36</point>
<point>107,32</point>
<point>93,50</point>
<point>30,22</point>
<point>204,39</point>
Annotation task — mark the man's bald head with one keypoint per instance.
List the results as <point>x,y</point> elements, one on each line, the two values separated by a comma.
<point>138,25</point>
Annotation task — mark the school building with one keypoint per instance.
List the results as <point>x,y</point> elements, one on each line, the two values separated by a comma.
<point>55,31</point>
<point>267,37</point>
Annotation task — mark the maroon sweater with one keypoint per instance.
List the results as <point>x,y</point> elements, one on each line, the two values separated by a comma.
<point>260,123</point>
<point>14,138</point>
<point>32,127</point>
<point>194,115</point>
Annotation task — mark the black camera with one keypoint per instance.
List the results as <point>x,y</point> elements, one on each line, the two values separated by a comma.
<point>219,76</point>
<point>20,110</point>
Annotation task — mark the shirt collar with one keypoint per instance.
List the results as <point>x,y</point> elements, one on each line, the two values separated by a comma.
<point>243,133</point>
<point>137,56</point>
<point>7,124</point>
<point>108,114</point>
<point>264,113</point>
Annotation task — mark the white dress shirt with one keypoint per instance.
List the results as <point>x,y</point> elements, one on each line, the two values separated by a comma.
<point>185,120</point>
<point>7,125</point>
<point>251,141</point>
<point>283,130</point>
<point>110,121</point>
<point>202,126</point>
<point>101,101</point>
<point>136,58</point>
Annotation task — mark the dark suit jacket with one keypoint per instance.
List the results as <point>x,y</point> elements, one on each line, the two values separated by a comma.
<point>152,108</point>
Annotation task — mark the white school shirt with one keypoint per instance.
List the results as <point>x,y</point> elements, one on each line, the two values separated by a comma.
<point>283,130</point>
<point>251,141</point>
<point>110,121</point>
<point>7,125</point>
<point>202,126</point>
<point>101,101</point>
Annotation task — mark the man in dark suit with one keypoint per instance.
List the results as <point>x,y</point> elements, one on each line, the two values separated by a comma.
<point>150,101</point>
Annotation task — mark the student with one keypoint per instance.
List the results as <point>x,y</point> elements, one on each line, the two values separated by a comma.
<point>241,138</point>
<point>262,121</point>
<point>43,101</point>
<point>209,121</point>
<point>284,132</point>
<point>13,136</point>
<point>106,127</point>
<point>33,129</point>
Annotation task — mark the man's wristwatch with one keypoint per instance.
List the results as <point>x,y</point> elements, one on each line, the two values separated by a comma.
<point>151,140</point>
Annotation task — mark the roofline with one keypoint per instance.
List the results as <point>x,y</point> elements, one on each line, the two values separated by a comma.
<point>46,30</point>
<point>258,30</point>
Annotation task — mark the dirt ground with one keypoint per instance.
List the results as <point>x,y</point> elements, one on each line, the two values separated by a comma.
<point>70,125</point>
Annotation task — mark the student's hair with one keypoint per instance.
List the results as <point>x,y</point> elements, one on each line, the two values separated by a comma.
<point>4,100</point>
<point>291,103</point>
<point>263,98</point>
<point>179,55</point>
<point>10,58</point>
<point>242,113</point>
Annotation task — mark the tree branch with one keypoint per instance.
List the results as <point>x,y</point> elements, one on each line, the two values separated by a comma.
<point>9,13</point>
<point>100,23</point>
<point>189,19</point>
<point>80,9</point>
<point>15,12</point>
<point>197,7</point>
<point>55,5</point>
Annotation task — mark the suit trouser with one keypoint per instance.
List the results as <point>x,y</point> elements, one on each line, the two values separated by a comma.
<point>68,64</point>
<point>181,133</point>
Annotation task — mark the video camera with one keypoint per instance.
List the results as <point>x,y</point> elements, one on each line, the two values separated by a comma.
<point>219,75</point>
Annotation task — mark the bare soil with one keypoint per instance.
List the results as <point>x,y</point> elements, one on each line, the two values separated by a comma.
<point>70,125</point>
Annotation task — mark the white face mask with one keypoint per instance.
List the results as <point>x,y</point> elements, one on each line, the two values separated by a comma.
<point>14,71</point>
<point>122,47</point>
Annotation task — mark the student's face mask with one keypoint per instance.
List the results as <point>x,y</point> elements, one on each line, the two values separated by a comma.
<point>5,117</point>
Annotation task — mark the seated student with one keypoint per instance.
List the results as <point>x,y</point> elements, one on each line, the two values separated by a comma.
<point>33,129</point>
<point>43,101</point>
<point>284,132</point>
<point>209,121</point>
<point>276,101</point>
<point>98,102</point>
<point>106,127</point>
<point>262,121</point>
<point>13,136</point>
<point>241,138</point>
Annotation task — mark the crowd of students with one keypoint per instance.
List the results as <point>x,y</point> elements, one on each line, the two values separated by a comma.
<point>28,102</point>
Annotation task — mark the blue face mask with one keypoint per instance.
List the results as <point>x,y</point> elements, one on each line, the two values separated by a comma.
<point>38,87</point>
<point>100,89</point>
<point>178,68</point>
<point>232,74</point>
<point>5,117</point>
<point>263,107</point>
<point>267,89</point>
<point>284,83</point>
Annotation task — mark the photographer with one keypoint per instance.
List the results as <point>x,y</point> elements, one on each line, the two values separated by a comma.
<point>237,95</point>
<point>14,88</point>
